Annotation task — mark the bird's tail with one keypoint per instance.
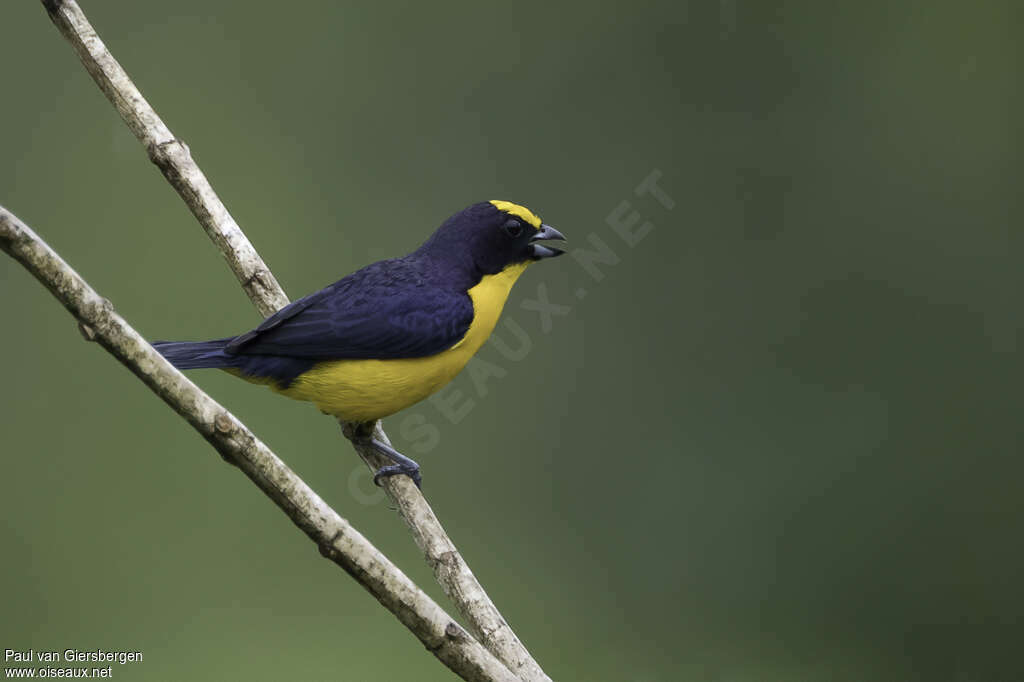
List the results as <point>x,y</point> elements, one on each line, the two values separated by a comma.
<point>196,354</point>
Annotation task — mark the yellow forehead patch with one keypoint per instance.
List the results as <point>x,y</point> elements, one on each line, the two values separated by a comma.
<point>518,211</point>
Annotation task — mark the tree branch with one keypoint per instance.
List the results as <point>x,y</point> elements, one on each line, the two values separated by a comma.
<point>173,158</point>
<point>337,539</point>
<point>171,155</point>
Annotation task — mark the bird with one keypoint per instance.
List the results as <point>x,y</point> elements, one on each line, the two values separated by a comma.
<point>392,333</point>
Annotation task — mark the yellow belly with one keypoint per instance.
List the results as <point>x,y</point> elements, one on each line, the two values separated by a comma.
<point>364,390</point>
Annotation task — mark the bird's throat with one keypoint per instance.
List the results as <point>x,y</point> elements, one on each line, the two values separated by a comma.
<point>488,297</point>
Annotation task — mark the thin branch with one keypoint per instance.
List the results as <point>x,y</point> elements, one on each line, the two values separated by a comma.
<point>451,571</point>
<point>337,539</point>
<point>170,155</point>
<point>174,160</point>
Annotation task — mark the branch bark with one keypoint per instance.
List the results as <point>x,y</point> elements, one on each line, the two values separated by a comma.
<point>172,156</point>
<point>336,538</point>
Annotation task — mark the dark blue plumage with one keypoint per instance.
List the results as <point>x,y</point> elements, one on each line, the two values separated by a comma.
<point>397,308</point>
<point>212,355</point>
<point>194,354</point>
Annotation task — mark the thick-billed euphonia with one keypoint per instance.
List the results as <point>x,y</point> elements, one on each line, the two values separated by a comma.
<point>392,333</point>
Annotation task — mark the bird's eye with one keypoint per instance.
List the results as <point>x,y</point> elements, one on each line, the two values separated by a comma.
<point>513,228</point>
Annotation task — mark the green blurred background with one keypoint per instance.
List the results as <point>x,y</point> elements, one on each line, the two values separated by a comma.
<point>779,439</point>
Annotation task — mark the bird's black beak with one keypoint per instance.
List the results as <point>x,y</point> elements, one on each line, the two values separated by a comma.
<point>546,232</point>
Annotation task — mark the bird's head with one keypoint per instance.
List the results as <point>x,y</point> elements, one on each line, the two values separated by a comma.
<point>493,235</point>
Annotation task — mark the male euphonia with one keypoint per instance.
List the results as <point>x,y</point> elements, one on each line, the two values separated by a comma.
<point>392,333</point>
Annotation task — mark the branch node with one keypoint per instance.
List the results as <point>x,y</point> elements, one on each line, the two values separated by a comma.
<point>327,548</point>
<point>87,332</point>
<point>222,422</point>
<point>257,277</point>
<point>449,560</point>
<point>161,154</point>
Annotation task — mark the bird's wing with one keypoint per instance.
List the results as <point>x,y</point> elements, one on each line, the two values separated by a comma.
<point>382,311</point>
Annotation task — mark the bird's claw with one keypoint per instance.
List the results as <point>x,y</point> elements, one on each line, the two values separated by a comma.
<point>394,469</point>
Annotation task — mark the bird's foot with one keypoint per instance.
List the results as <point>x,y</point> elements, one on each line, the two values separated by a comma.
<point>412,472</point>
<point>402,464</point>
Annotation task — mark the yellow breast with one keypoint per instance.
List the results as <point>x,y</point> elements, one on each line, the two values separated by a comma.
<point>364,390</point>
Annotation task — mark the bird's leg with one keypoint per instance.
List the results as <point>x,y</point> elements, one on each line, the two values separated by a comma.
<point>360,434</point>
<point>402,464</point>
